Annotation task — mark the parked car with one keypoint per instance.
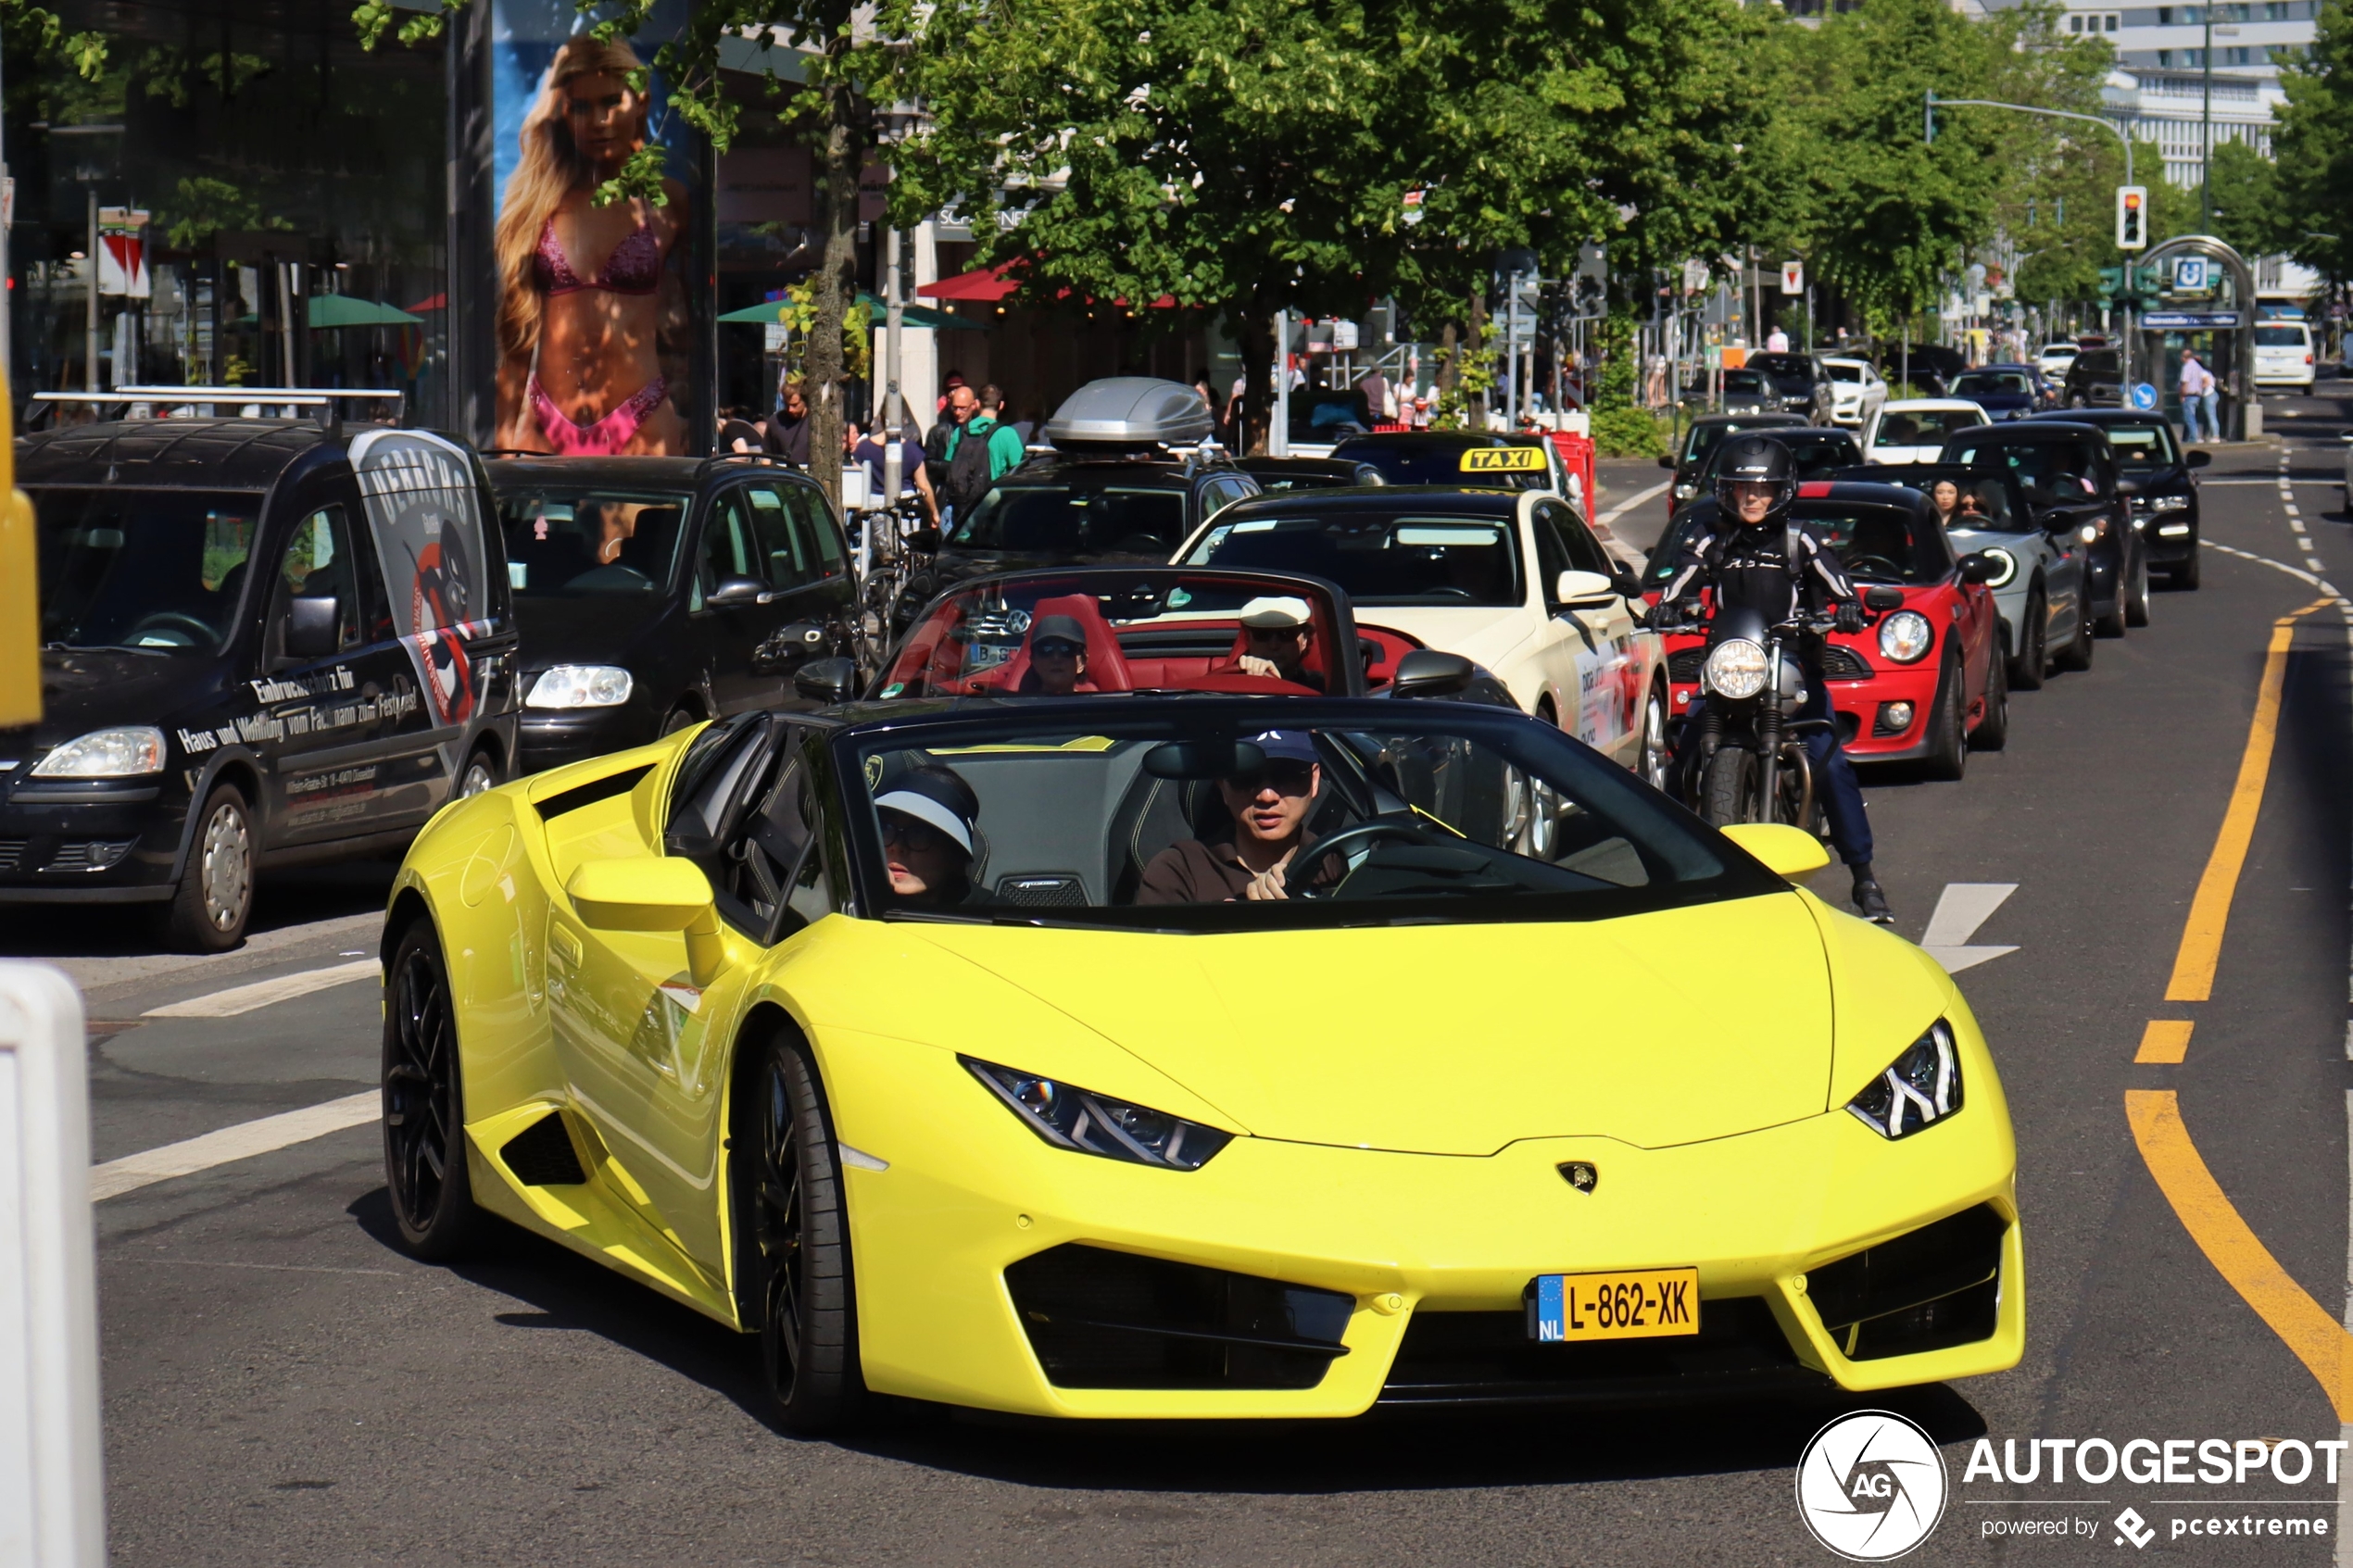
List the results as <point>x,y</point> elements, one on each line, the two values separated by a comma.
<point>1131,474</point>
<point>2095,381</point>
<point>1512,581</point>
<point>1704,435</point>
<point>2283,354</point>
<point>2037,577</point>
<point>1307,473</point>
<point>1914,430</point>
<point>2053,359</point>
<point>1857,390</point>
<point>654,593</point>
<point>2164,495</point>
<point>2004,392</point>
<point>1804,386</point>
<point>1926,684</point>
<point>2071,477</point>
<point>263,644</point>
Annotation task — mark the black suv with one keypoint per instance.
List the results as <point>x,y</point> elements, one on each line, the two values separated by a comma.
<point>657,592</point>
<point>263,644</point>
<point>2164,495</point>
<point>1700,442</point>
<point>1802,383</point>
<point>2071,476</point>
<point>2094,379</point>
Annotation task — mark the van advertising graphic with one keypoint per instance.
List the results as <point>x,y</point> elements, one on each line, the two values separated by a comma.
<point>425,515</point>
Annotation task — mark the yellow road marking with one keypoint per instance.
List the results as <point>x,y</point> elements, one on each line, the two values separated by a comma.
<point>2201,946</point>
<point>2165,1041</point>
<point>2319,1341</point>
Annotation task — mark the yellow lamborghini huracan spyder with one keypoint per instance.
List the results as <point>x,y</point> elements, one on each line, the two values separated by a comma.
<point>1125,1057</point>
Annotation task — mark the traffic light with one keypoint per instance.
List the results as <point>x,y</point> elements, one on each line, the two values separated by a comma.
<point>2131,216</point>
<point>2112,282</point>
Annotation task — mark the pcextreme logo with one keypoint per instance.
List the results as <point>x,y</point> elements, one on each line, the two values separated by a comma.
<point>1870,1485</point>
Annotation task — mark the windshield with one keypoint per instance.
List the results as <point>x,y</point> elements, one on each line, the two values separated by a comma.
<point>2038,464</point>
<point>1070,634</point>
<point>1979,383</point>
<point>1379,556</point>
<point>2141,447</point>
<point>157,569</point>
<point>1876,543</point>
<point>1844,372</point>
<point>1706,438</point>
<point>1745,380</point>
<point>1330,414</point>
<point>568,540</point>
<point>2058,351</point>
<point>1441,462</point>
<point>1064,519</point>
<point>2281,337</point>
<point>1961,499</point>
<point>1436,813</point>
<point>1818,454</point>
<point>1924,427</point>
<point>1794,375</point>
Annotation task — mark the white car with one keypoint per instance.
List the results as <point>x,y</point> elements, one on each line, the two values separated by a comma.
<point>1914,430</point>
<point>1857,390</point>
<point>2053,358</point>
<point>1513,581</point>
<point>2283,354</point>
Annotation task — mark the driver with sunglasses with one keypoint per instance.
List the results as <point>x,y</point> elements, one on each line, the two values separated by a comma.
<point>1277,633</point>
<point>1255,861</point>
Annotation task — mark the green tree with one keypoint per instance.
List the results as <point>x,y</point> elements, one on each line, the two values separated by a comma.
<point>2249,210</point>
<point>2313,145</point>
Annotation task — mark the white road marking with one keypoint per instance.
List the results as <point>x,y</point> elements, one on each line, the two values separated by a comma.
<point>241,1142</point>
<point>261,992</point>
<point>1634,500</point>
<point>1960,910</point>
<point>2321,584</point>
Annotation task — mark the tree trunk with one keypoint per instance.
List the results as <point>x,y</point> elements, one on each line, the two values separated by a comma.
<point>841,162</point>
<point>1450,370</point>
<point>1475,410</point>
<point>1255,334</point>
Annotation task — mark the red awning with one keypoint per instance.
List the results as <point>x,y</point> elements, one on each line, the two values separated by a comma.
<point>438,302</point>
<point>988,285</point>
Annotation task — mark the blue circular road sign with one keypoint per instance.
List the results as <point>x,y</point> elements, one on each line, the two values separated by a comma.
<point>2143,396</point>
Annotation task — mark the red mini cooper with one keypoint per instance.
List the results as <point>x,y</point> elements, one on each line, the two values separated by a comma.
<point>1924,684</point>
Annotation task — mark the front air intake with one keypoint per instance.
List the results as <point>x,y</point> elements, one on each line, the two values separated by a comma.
<point>1929,1289</point>
<point>1100,1319</point>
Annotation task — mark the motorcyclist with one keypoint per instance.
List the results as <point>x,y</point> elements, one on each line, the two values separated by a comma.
<point>1758,557</point>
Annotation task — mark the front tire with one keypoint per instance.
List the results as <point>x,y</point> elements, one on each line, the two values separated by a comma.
<point>2184,576</point>
<point>209,910</point>
<point>795,1238</point>
<point>425,1112</point>
<point>480,773</point>
<point>2136,603</point>
<point>1993,730</point>
<point>2034,655</point>
<point>1727,789</point>
<point>1948,738</point>
<point>1657,758</point>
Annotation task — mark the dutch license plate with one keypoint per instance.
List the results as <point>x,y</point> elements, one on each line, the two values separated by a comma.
<point>1630,1304</point>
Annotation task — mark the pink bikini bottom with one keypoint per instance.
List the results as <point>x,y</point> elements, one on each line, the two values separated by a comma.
<point>568,438</point>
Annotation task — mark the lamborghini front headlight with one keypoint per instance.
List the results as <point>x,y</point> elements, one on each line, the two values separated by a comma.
<point>1069,1117</point>
<point>1921,1087</point>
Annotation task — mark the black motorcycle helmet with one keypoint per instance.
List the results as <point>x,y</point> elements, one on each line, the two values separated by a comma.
<point>1754,459</point>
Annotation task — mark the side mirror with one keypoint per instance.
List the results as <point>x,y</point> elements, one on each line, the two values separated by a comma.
<point>1882,598</point>
<point>314,627</point>
<point>2128,487</point>
<point>1369,653</point>
<point>652,893</point>
<point>2199,459</point>
<point>827,681</point>
<point>1666,463</point>
<point>1979,566</point>
<point>1627,581</point>
<point>738,591</point>
<point>1427,672</point>
<point>1786,851</point>
<point>1583,590</point>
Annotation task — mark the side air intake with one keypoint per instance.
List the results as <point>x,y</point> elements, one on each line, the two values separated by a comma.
<point>541,1155</point>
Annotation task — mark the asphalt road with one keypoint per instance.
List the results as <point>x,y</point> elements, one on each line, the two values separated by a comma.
<point>282,1387</point>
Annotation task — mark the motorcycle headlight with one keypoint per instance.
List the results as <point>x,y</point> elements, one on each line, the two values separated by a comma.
<point>1073,1118</point>
<point>580,685</point>
<point>2005,565</point>
<point>1906,636</point>
<point>2168,503</point>
<point>124,752</point>
<point>1735,668</point>
<point>1921,1087</point>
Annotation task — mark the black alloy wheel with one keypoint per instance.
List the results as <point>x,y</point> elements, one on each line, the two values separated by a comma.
<point>425,1103</point>
<point>1947,756</point>
<point>2028,666</point>
<point>793,1269</point>
<point>1993,730</point>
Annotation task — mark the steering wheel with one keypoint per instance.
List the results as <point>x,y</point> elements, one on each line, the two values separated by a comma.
<point>1877,565</point>
<point>164,619</point>
<point>1450,590</point>
<point>1362,833</point>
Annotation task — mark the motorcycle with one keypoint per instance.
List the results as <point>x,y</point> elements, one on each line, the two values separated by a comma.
<point>1748,762</point>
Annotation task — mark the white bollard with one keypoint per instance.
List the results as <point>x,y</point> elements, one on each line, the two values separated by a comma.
<point>52,1492</point>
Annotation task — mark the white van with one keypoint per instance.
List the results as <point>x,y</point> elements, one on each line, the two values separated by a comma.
<point>2283,353</point>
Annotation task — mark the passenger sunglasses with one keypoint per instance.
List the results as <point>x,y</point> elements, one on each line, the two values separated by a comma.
<point>1054,648</point>
<point>1272,633</point>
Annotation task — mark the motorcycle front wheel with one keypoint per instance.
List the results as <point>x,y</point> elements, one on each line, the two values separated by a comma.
<point>1727,789</point>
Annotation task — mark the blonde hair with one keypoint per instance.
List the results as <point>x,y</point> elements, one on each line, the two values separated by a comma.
<point>550,167</point>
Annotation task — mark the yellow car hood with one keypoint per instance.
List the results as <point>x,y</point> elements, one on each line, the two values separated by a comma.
<point>1659,1029</point>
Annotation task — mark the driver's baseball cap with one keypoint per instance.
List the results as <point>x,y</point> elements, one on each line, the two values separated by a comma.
<point>1290,746</point>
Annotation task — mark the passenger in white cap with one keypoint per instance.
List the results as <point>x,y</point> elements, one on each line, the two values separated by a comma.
<point>1277,631</point>
<point>927,815</point>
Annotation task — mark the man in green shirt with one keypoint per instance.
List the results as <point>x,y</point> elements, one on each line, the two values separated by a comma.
<point>997,451</point>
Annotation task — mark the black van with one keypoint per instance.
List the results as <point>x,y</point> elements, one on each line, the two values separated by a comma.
<point>263,642</point>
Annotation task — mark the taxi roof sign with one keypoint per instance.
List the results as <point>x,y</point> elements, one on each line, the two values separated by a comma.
<point>1502,459</point>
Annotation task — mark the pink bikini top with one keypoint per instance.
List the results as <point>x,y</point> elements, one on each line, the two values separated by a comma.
<point>634,266</point>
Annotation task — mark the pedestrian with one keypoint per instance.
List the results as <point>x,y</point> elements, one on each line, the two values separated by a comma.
<point>871,453</point>
<point>788,434</point>
<point>955,409</point>
<point>1776,342</point>
<point>980,451</point>
<point>1380,399</point>
<point>2197,398</point>
<point>738,433</point>
<point>948,390</point>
